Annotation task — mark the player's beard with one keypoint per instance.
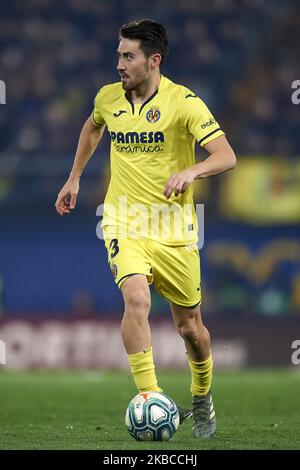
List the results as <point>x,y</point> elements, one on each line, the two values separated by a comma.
<point>129,85</point>
<point>139,80</point>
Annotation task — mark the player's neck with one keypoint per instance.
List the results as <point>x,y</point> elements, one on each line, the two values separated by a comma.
<point>146,90</point>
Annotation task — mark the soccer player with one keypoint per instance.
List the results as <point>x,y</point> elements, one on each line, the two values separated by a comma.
<point>153,125</point>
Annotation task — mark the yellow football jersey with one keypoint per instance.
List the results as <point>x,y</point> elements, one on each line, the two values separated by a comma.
<point>149,143</point>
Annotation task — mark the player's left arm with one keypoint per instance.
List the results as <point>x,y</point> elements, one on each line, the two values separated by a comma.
<point>221,158</point>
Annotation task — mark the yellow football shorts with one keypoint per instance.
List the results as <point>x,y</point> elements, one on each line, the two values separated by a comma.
<point>174,270</point>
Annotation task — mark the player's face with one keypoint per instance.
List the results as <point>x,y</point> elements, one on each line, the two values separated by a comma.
<point>133,66</point>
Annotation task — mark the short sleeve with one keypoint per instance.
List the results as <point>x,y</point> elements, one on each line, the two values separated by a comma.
<point>97,114</point>
<point>197,118</point>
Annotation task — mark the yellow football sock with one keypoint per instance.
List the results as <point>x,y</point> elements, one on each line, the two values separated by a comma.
<point>201,376</point>
<point>143,371</point>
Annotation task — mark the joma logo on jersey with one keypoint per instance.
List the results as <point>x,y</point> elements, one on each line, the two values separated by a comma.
<point>208,123</point>
<point>137,137</point>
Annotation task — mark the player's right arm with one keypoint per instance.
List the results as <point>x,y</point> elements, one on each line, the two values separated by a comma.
<point>90,137</point>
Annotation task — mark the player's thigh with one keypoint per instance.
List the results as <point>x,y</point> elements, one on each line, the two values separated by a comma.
<point>177,274</point>
<point>127,257</point>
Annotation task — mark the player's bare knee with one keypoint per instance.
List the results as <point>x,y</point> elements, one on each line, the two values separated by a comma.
<point>137,302</point>
<point>189,333</point>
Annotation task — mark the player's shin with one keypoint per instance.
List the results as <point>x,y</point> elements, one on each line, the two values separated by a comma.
<point>201,376</point>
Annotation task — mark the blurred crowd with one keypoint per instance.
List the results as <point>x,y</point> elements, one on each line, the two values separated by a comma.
<point>239,56</point>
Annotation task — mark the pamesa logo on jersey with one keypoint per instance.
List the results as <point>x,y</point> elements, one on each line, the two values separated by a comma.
<point>153,115</point>
<point>137,137</point>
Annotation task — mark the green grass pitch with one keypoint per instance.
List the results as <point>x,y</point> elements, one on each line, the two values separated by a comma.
<point>256,409</point>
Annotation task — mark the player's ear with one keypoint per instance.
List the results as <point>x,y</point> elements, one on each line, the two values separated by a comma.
<point>155,60</point>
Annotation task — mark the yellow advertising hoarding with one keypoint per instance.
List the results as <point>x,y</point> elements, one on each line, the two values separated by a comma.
<point>262,190</point>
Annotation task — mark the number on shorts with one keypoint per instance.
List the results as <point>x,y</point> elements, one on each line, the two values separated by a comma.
<point>114,247</point>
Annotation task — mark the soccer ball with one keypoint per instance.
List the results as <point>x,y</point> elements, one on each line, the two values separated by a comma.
<point>152,416</point>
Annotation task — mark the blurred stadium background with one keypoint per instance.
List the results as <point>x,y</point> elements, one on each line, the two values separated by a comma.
<point>58,302</point>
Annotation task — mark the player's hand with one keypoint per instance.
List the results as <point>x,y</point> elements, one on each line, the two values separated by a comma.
<point>67,197</point>
<point>179,182</point>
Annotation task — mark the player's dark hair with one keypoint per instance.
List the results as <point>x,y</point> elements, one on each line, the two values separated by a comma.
<point>152,35</point>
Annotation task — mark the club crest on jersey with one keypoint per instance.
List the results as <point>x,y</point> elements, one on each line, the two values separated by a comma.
<point>153,115</point>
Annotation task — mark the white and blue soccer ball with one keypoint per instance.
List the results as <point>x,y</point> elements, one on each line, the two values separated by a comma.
<point>152,416</point>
